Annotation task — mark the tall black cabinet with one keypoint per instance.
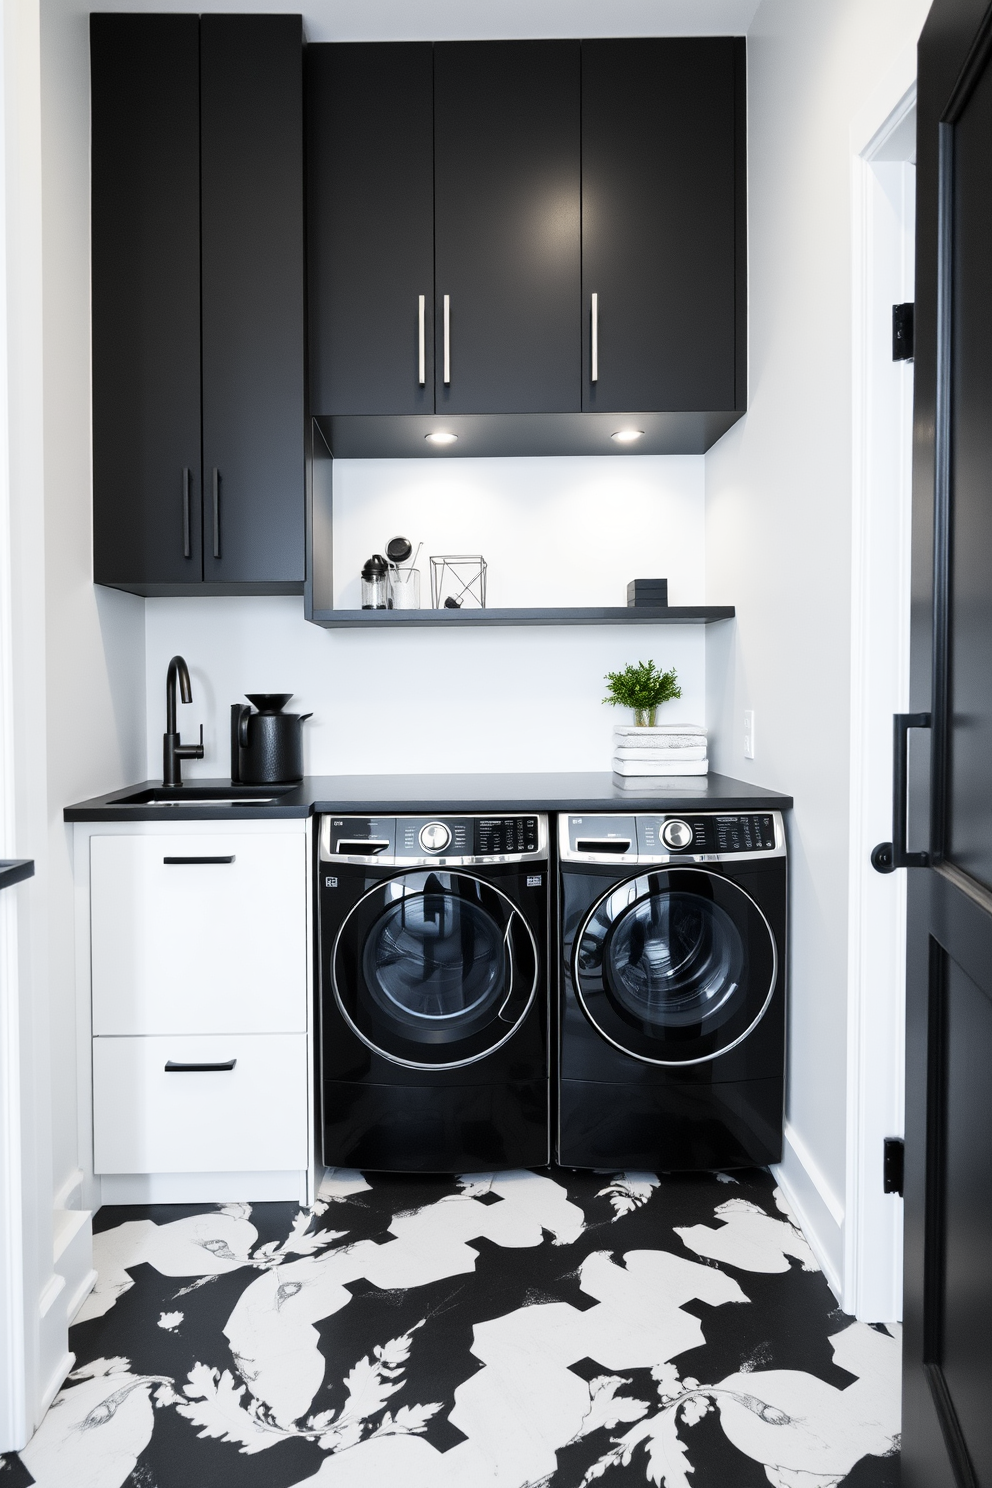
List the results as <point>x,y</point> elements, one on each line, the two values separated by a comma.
<point>198,303</point>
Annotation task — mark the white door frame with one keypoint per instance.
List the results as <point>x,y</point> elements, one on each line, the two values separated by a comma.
<point>883,149</point>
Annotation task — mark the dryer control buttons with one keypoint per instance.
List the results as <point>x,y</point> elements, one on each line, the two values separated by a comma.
<point>677,834</point>
<point>435,837</point>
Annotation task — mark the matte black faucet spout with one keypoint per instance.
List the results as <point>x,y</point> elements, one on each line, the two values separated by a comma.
<point>173,752</point>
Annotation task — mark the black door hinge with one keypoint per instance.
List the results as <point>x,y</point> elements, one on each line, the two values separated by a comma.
<point>893,1165</point>
<point>903,332</point>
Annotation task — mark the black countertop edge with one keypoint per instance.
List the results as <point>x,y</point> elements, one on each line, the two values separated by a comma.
<point>386,795</point>
<point>15,870</point>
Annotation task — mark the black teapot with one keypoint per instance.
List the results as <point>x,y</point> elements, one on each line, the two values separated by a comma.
<point>267,746</point>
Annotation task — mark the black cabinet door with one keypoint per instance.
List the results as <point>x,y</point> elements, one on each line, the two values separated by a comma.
<point>370,164</point>
<point>506,221</point>
<point>251,111</point>
<point>146,299</point>
<point>662,134</point>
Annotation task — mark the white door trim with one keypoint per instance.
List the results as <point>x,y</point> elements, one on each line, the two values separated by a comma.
<point>883,142</point>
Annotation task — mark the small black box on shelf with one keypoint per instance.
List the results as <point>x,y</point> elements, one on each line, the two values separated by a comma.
<point>652,593</point>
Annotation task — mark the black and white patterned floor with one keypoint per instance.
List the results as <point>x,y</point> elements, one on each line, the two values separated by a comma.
<point>529,1330</point>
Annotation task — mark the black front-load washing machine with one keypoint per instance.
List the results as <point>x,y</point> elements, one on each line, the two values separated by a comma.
<point>434,1012</point>
<point>672,1028</point>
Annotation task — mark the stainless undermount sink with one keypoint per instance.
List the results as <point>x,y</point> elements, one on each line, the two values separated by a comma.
<point>203,795</point>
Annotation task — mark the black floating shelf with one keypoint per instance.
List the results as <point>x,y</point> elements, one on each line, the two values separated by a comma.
<point>614,615</point>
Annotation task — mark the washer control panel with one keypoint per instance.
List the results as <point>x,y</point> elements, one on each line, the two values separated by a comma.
<point>697,836</point>
<point>449,841</point>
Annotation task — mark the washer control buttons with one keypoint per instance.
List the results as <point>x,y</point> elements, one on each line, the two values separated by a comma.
<point>677,834</point>
<point>435,837</point>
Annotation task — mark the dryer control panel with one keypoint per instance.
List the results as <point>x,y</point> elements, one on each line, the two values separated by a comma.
<point>697,837</point>
<point>449,841</point>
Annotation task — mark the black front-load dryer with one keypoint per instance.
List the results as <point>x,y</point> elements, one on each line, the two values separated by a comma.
<point>434,1013</point>
<point>672,1026</point>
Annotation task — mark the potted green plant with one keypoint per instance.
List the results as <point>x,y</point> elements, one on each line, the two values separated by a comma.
<point>642,688</point>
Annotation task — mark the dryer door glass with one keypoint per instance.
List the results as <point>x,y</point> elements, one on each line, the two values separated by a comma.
<point>676,960</point>
<point>434,970</point>
<point>675,967</point>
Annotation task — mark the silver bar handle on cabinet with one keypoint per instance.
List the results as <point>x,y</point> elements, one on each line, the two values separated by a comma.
<point>422,341</point>
<point>216,512</point>
<point>447,338</point>
<point>595,339</point>
<point>187,551</point>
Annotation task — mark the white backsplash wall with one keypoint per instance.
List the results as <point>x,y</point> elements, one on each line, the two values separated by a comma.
<point>568,531</point>
<point>554,531</point>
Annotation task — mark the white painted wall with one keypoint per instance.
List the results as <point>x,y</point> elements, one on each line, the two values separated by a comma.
<point>554,531</point>
<point>778,534</point>
<point>94,638</point>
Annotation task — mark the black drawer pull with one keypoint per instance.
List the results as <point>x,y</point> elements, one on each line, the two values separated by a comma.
<point>180,1067</point>
<point>229,859</point>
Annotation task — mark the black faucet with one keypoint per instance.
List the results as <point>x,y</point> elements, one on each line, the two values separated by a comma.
<point>173,753</point>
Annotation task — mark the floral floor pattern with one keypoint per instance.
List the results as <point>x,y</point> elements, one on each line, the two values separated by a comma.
<point>527,1330</point>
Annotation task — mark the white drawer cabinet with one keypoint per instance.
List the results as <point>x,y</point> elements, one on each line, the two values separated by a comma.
<point>199,933</point>
<point>250,1117</point>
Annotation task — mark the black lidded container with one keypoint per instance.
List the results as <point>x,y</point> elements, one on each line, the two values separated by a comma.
<point>266,746</point>
<point>649,593</point>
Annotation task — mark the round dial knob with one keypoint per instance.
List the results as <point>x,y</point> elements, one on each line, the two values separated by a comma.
<point>676,834</point>
<point>435,837</point>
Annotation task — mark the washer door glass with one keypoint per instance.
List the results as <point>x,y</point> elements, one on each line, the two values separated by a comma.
<point>434,970</point>
<point>675,967</point>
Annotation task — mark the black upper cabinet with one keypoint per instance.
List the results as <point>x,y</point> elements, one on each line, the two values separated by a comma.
<point>507,244</point>
<point>146,298</point>
<point>662,231</point>
<point>370,147</point>
<point>198,265</point>
<point>579,201</point>
<point>251,161</point>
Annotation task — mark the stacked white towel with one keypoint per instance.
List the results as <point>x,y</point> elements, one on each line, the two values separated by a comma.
<point>669,749</point>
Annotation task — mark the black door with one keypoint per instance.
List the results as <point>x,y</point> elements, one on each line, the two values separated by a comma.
<point>370,166</point>
<point>675,968</point>
<point>507,242</point>
<point>947,1423</point>
<point>663,254</point>
<point>146,298</point>
<point>434,970</point>
<point>251,70</point>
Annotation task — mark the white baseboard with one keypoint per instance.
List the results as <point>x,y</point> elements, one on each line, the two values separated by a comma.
<point>817,1210</point>
<point>55,1383</point>
<point>79,1296</point>
<point>203,1188</point>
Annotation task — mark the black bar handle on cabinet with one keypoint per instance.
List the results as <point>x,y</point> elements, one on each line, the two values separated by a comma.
<point>200,860</point>
<point>216,513</point>
<point>180,1067</point>
<point>888,856</point>
<point>187,550</point>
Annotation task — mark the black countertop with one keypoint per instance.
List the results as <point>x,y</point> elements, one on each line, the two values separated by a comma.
<point>392,794</point>
<point>15,870</point>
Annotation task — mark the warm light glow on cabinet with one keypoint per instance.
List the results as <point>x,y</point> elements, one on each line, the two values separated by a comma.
<point>441,436</point>
<point>627,436</point>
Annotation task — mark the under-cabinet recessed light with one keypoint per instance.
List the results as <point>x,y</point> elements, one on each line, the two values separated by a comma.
<point>441,436</point>
<point>627,436</point>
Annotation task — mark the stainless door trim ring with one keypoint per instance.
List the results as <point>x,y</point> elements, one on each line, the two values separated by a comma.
<point>416,1064</point>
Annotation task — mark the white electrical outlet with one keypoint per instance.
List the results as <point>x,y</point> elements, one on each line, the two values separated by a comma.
<point>748,733</point>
